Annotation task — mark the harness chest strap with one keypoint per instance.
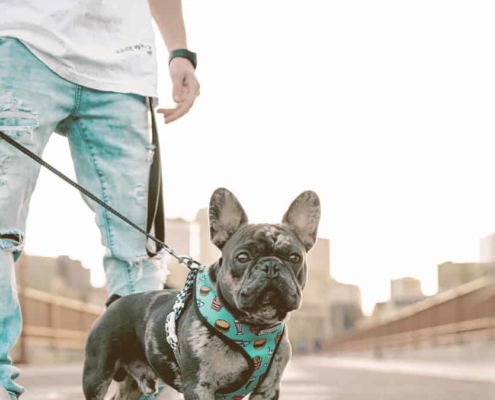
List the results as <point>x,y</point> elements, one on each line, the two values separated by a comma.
<point>256,345</point>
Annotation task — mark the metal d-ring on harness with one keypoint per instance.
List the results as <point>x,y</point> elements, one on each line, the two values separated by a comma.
<point>156,218</point>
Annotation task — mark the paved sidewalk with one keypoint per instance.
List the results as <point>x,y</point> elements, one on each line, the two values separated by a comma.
<point>470,371</point>
<point>321,378</point>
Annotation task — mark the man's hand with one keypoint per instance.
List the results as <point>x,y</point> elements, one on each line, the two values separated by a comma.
<point>185,91</point>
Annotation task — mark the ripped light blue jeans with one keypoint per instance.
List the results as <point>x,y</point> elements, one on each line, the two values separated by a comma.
<point>109,141</point>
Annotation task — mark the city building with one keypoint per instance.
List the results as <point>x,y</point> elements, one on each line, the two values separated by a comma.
<point>345,308</point>
<point>380,309</point>
<point>61,276</point>
<point>189,238</point>
<point>451,275</point>
<point>184,237</point>
<point>208,252</point>
<point>403,293</point>
<point>487,249</point>
<point>311,323</point>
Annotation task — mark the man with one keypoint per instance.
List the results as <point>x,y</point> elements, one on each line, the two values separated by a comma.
<point>84,69</point>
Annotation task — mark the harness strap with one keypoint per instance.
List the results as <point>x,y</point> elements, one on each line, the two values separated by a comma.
<point>173,316</point>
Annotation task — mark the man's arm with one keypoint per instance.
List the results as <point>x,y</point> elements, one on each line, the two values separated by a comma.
<point>170,21</point>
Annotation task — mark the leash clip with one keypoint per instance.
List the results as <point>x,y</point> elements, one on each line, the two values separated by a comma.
<point>188,262</point>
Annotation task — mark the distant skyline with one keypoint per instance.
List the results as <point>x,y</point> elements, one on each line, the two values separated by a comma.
<point>384,108</point>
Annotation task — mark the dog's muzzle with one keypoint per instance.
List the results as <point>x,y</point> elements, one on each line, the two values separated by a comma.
<point>270,283</point>
<point>271,267</point>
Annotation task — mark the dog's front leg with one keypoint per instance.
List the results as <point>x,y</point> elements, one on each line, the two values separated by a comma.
<point>269,389</point>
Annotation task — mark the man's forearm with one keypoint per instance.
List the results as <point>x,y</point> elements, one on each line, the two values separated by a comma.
<point>168,17</point>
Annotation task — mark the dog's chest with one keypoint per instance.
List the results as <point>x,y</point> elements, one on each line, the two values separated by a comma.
<point>219,364</point>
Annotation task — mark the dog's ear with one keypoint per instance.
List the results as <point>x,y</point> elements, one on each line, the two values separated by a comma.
<point>303,216</point>
<point>226,216</point>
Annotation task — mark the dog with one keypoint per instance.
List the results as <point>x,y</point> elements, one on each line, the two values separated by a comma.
<point>257,282</point>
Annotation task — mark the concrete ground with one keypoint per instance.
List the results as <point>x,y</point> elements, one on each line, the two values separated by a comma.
<point>320,377</point>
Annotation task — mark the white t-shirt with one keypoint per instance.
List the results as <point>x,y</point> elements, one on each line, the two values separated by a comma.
<point>106,45</point>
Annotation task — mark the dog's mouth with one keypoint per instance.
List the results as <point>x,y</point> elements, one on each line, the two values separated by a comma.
<point>262,301</point>
<point>270,297</point>
<point>270,301</point>
<point>270,308</point>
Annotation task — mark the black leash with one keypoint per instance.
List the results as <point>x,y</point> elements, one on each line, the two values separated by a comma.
<point>156,215</point>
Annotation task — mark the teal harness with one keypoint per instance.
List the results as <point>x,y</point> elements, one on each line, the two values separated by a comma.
<point>256,345</point>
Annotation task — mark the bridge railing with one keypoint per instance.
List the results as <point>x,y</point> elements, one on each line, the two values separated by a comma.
<point>460,315</point>
<point>466,313</point>
<point>53,322</point>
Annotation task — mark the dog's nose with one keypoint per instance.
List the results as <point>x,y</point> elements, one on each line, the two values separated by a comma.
<point>271,268</point>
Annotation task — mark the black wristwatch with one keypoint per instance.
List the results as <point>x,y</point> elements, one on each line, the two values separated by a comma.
<point>184,53</point>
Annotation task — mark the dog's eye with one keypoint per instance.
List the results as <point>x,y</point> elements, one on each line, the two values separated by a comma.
<point>295,258</point>
<point>243,258</point>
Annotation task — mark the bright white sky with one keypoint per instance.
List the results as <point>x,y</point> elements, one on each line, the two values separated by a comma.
<point>384,108</point>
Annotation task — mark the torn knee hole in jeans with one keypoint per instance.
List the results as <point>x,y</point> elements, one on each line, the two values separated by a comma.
<point>141,191</point>
<point>4,166</point>
<point>137,263</point>
<point>12,241</point>
<point>16,120</point>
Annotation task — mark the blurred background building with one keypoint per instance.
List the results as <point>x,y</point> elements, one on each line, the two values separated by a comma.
<point>403,292</point>
<point>183,236</point>
<point>310,325</point>
<point>455,324</point>
<point>189,238</point>
<point>487,249</point>
<point>60,276</point>
<point>344,307</point>
<point>451,275</point>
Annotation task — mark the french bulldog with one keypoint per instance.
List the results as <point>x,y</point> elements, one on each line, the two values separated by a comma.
<point>260,278</point>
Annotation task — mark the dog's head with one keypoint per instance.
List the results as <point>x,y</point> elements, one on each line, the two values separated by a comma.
<point>263,269</point>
